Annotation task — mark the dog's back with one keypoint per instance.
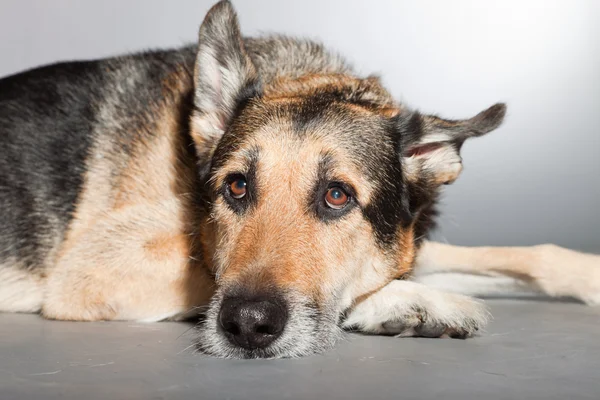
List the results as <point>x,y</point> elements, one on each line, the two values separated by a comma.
<point>52,119</point>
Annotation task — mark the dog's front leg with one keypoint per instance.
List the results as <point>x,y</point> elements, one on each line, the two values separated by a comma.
<point>405,308</point>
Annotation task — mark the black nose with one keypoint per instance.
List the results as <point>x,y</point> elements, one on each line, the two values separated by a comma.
<point>252,324</point>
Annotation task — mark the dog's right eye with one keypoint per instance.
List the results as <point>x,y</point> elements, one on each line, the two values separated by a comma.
<point>238,188</point>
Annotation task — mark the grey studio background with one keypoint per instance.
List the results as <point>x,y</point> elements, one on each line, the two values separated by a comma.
<point>535,180</point>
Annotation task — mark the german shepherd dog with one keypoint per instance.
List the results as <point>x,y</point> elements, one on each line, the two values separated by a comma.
<point>256,181</point>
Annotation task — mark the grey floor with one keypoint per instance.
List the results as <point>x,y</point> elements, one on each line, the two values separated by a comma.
<point>532,350</point>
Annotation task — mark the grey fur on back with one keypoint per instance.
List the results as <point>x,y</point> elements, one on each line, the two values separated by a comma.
<point>277,55</point>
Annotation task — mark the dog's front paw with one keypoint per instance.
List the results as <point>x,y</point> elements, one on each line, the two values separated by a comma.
<point>405,308</point>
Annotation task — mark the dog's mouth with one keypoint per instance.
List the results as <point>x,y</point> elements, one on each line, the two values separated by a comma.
<point>266,327</point>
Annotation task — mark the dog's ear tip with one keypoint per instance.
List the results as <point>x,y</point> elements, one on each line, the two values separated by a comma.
<point>498,108</point>
<point>223,5</point>
<point>222,13</point>
<point>488,120</point>
<point>497,112</point>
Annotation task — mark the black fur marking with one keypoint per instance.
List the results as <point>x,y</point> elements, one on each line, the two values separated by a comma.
<point>229,143</point>
<point>252,90</point>
<point>389,208</point>
<point>187,106</point>
<point>45,124</point>
<point>310,112</point>
<point>409,131</point>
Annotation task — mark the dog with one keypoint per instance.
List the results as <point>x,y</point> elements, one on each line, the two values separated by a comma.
<point>256,181</point>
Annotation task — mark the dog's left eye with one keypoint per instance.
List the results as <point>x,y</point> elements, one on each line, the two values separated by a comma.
<point>238,188</point>
<point>336,198</point>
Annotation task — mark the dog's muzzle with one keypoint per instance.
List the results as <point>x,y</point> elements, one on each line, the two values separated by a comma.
<point>241,323</point>
<point>252,323</point>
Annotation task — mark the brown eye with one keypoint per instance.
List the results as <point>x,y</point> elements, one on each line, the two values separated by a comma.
<point>336,198</point>
<point>238,188</point>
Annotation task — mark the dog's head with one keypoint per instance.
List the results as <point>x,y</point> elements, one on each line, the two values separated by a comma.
<point>319,188</point>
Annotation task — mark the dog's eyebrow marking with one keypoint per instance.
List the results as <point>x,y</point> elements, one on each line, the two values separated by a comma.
<point>251,157</point>
<point>244,162</point>
<point>328,170</point>
<point>325,165</point>
<point>250,161</point>
<point>322,177</point>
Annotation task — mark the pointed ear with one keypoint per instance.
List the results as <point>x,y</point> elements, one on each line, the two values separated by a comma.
<point>431,145</point>
<point>224,77</point>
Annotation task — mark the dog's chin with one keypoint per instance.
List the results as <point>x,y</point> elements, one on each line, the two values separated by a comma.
<point>308,331</point>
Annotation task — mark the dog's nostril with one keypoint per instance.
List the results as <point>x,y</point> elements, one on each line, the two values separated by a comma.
<point>265,329</point>
<point>231,327</point>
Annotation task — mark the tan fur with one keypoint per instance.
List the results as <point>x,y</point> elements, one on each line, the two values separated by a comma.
<point>129,279</point>
<point>550,269</point>
<point>309,84</point>
<point>406,253</point>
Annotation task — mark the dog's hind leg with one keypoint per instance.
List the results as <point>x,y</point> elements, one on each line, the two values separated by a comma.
<point>405,308</point>
<point>549,269</point>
